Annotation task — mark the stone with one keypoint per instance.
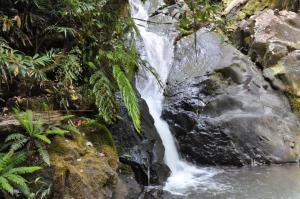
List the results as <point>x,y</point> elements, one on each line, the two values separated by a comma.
<point>222,111</point>
<point>273,41</point>
<point>144,152</point>
<point>77,172</point>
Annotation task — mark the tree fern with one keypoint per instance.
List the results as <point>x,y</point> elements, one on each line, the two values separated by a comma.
<point>128,96</point>
<point>104,97</point>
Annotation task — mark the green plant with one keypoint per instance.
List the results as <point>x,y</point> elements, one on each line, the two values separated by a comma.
<point>104,97</point>
<point>44,189</point>
<point>201,13</point>
<point>69,67</point>
<point>16,64</point>
<point>35,135</point>
<point>11,173</point>
<point>128,96</point>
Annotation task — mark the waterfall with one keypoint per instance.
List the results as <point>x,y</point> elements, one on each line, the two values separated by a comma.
<point>157,50</point>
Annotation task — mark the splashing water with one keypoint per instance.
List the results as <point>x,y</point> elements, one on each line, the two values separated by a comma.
<point>158,52</point>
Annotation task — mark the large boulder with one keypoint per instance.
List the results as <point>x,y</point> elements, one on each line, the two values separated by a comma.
<point>222,111</point>
<point>144,151</point>
<point>272,39</point>
<point>79,170</point>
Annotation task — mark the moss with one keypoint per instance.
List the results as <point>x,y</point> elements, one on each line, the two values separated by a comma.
<point>79,166</point>
<point>102,139</point>
<point>295,103</point>
<point>252,7</point>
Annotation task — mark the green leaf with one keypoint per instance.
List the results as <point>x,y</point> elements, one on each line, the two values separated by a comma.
<point>43,152</point>
<point>43,138</point>
<point>128,96</point>
<point>25,170</point>
<point>56,131</point>
<point>104,97</point>
<point>4,184</point>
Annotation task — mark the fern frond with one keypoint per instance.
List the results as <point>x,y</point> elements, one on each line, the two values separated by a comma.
<point>4,185</point>
<point>24,170</point>
<point>25,119</point>
<point>18,158</point>
<point>69,67</point>
<point>56,131</point>
<point>18,144</point>
<point>104,97</point>
<point>4,161</point>
<point>43,152</point>
<point>43,138</point>
<point>71,128</point>
<point>14,137</point>
<point>128,96</point>
<point>17,179</point>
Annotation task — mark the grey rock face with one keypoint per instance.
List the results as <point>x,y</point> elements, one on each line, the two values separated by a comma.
<point>273,40</point>
<point>222,111</point>
<point>144,152</point>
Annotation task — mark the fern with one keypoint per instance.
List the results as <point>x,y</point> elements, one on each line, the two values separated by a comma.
<point>128,96</point>
<point>104,97</point>
<point>35,134</point>
<point>43,152</point>
<point>69,67</point>
<point>11,174</point>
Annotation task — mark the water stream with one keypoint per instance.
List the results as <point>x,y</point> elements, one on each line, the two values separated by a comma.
<point>188,181</point>
<point>158,52</point>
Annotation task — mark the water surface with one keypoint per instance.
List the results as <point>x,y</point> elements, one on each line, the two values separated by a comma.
<point>263,182</point>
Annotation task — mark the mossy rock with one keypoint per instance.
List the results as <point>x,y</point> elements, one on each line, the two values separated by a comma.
<point>102,139</point>
<point>295,103</point>
<point>80,170</point>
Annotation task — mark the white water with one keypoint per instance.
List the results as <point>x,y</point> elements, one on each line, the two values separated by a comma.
<point>158,51</point>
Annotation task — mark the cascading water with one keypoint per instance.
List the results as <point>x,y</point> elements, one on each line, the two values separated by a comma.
<point>158,52</point>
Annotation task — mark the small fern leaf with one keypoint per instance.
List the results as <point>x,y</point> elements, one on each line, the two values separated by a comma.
<point>5,161</point>
<point>104,97</point>
<point>18,144</point>
<point>43,138</point>
<point>24,170</point>
<point>17,179</point>
<point>4,184</point>
<point>18,158</point>
<point>43,152</point>
<point>14,137</point>
<point>128,96</point>
<point>56,131</point>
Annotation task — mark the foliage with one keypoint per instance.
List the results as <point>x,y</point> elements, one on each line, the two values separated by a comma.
<point>44,189</point>
<point>201,13</point>
<point>128,96</point>
<point>35,134</point>
<point>11,173</point>
<point>104,97</point>
<point>16,64</point>
<point>69,68</point>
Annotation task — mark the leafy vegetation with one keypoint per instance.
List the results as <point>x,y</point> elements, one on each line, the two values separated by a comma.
<point>11,173</point>
<point>202,13</point>
<point>67,52</point>
<point>35,135</point>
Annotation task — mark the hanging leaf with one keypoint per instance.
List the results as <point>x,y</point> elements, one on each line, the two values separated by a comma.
<point>18,21</point>
<point>128,96</point>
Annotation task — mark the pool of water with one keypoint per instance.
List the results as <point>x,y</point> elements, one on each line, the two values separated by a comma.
<point>263,182</point>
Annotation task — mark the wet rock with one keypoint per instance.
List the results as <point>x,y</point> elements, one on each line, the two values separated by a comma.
<point>78,172</point>
<point>222,111</point>
<point>273,41</point>
<point>144,152</point>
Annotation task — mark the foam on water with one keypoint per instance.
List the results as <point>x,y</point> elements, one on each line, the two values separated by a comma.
<point>158,52</point>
